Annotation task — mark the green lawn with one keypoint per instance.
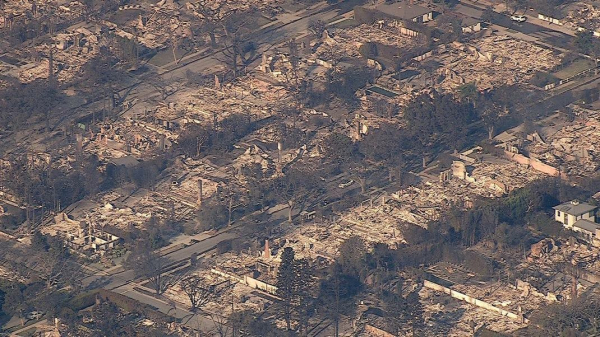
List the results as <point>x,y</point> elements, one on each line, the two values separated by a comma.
<point>28,332</point>
<point>574,68</point>
<point>256,24</point>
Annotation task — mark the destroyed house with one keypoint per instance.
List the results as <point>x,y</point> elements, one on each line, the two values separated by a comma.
<point>570,212</point>
<point>470,25</point>
<point>403,11</point>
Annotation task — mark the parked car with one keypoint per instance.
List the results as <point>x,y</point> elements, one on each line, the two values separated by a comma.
<point>518,18</point>
<point>34,315</point>
<point>346,184</point>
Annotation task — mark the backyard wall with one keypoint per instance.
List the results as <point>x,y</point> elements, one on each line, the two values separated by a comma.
<point>249,281</point>
<point>474,301</point>
<point>534,164</point>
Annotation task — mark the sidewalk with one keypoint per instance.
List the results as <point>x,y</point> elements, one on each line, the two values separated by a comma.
<point>531,16</point>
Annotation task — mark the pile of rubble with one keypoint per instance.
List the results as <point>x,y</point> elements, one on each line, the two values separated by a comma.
<point>440,309</point>
<point>493,61</point>
<point>71,50</point>
<point>128,137</point>
<point>504,177</point>
<point>379,223</point>
<point>24,11</point>
<point>317,239</point>
<point>190,181</point>
<point>350,39</point>
<point>573,147</point>
<point>581,14</point>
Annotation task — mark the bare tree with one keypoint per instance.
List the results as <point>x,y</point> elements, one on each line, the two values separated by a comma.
<point>149,264</point>
<point>239,49</point>
<point>222,327</point>
<point>317,27</point>
<point>165,87</point>
<point>197,291</point>
<point>296,186</point>
<point>55,266</point>
<point>361,170</point>
<point>213,15</point>
<point>238,52</point>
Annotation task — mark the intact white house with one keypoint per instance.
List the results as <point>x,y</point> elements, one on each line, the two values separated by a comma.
<point>579,217</point>
<point>569,212</point>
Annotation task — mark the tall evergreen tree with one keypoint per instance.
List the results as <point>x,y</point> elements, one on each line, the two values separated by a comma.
<point>285,284</point>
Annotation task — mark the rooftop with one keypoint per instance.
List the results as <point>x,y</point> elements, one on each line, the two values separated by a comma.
<point>469,21</point>
<point>575,208</point>
<point>587,225</point>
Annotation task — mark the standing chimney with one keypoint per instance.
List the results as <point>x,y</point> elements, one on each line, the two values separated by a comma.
<point>199,193</point>
<point>267,250</point>
<point>79,139</point>
<point>51,79</point>
<point>279,147</point>
<point>161,143</point>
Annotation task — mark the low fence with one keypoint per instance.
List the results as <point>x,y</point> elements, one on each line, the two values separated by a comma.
<point>408,32</point>
<point>587,72</point>
<point>474,301</point>
<point>550,19</point>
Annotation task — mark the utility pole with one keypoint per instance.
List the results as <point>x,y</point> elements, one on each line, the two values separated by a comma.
<point>233,322</point>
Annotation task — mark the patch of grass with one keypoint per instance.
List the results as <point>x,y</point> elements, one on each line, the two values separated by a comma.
<point>484,332</point>
<point>28,332</point>
<point>541,79</point>
<point>348,23</point>
<point>165,56</point>
<point>259,22</point>
<point>574,68</point>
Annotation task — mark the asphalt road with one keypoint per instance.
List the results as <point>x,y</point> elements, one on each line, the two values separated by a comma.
<point>189,319</point>
<point>123,278</point>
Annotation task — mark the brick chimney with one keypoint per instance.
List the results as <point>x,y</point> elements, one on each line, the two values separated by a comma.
<point>267,250</point>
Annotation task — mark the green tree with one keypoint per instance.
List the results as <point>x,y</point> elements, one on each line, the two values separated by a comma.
<point>295,280</point>
<point>13,300</point>
<point>338,148</point>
